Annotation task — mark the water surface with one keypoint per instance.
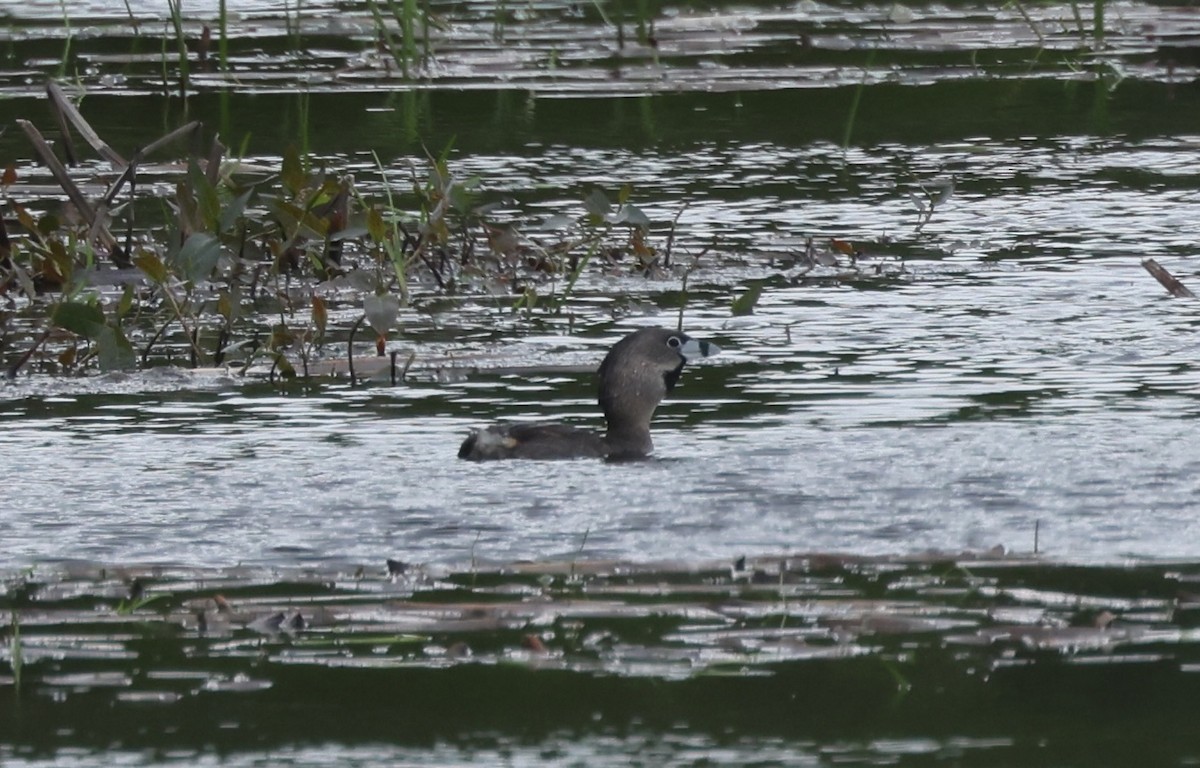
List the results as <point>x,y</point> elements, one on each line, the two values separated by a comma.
<point>998,371</point>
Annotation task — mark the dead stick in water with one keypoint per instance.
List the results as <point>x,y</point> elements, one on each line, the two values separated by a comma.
<point>64,127</point>
<point>64,180</point>
<point>213,170</point>
<point>63,108</point>
<point>16,367</point>
<point>1167,280</point>
<point>127,176</point>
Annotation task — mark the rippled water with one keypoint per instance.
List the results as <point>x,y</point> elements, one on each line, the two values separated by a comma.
<point>1001,371</point>
<point>1014,368</point>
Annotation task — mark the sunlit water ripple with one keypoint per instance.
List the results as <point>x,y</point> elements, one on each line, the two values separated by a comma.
<point>1012,368</point>
<point>952,412</point>
<point>1028,375</point>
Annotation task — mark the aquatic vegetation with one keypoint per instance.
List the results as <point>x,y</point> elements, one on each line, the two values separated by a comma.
<point>406,16</point>
<point>175,7</point>
<point>744,303</point>
<point>229,243</point>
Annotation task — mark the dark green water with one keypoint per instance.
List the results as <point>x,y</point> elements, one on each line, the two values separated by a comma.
<point>810,660</point>
<point>1004,371</point>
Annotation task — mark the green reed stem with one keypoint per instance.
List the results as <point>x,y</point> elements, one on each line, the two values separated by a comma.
<point>132,19</point>
<point>294,31</point>
<point>223,38</point>
<point>176,9</point>
<point>305,147</point>
<point>66,54</point>
<point>384,34</point>
<point>858,92</point>
<point>410,30</point>
<point>426,51</point>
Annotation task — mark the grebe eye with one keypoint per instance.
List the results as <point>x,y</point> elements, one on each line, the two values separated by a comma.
<point>674,342</point>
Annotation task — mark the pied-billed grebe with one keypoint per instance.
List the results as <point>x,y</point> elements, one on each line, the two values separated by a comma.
<point>635,376</point>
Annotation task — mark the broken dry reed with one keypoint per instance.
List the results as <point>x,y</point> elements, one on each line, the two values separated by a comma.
<point>1167,280</point>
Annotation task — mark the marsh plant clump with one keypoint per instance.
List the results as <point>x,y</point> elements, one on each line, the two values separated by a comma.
<point>225,262</point>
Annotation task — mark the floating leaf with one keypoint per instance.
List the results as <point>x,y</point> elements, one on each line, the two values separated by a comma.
<point>79,318</point>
